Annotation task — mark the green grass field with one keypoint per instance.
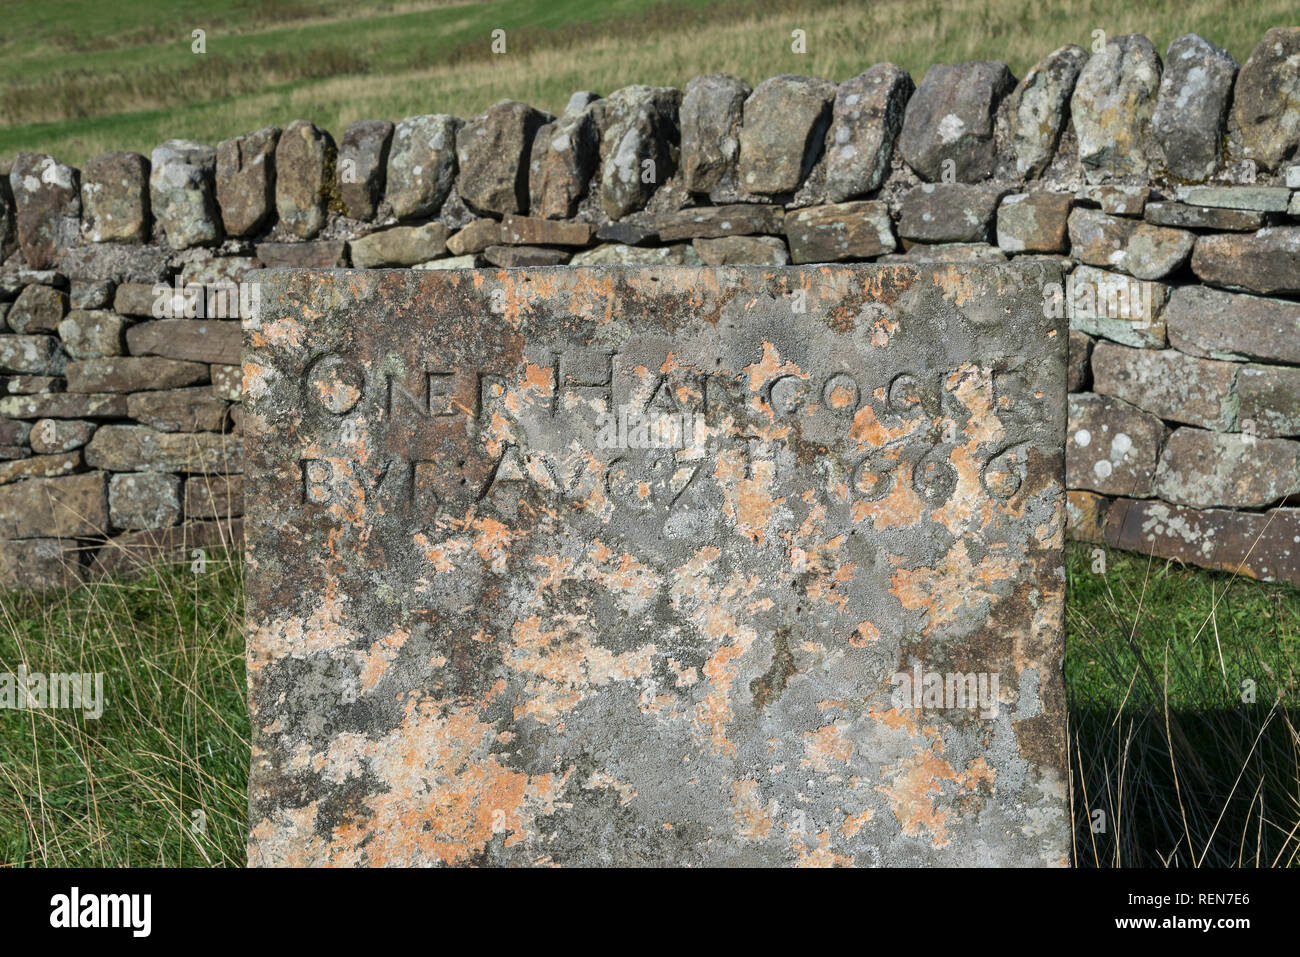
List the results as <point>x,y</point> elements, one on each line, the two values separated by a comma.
<point>77,79</point>
<point>1185,771</point>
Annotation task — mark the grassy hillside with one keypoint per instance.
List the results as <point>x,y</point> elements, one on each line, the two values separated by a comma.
<point>77,79</point>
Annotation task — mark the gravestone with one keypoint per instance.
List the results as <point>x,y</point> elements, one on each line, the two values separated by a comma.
<point>661,566</point>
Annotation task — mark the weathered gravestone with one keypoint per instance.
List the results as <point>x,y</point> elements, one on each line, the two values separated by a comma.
<point>656,566</point>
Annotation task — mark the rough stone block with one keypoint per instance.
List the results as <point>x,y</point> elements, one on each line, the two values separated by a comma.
<point>1169,384</point>
<point>51,436</point>
<point>492,154</point>
<point>69,506</point>
<point>1116,307</point>
<point>1080,374</point>
<point>321,254</point>
<point>1183,216</point>
<point>135,552</point>
<point>1037,110</point>
<point>783,133</point>
<point>115,199</point>
<point>712,111</point>
<point>1266,99</point>
<point>194,409</point>
<point>63,405</point>
<point>363,163</point>
<point>39,466</point>
<point>1192,107</point>
<point>421,164</point>
<point>1087,515</point>
<point>38,308</point>
<point>742,251</point>
<point>1111,447</point>
<point>138,500</point>
<point>133,373</point>
<point>450,572</point>
<point>866,119</point>
<point>182,193</point>
<point>949,124</point>
<point>214,496</point>
<point>91,334</point>
<point>1225,325</point>
<point>1128,245</point>
<point>399,246</point>
<point>948,213</point>
<point>1266,262</point>
<point>1270,400</point>
<point>31,355</point>
<point>639,146</point>
<point>856,230</point>
<point>1112,107</point>
<point>138,448</point>
<point>534,231</point>
<point>47,207</point>
<point>39,564</point>
<point>304,174</point>
<point>1034,222</point>
<point>245,180</point>
<point>712,222</point>
<point>1207,469</point>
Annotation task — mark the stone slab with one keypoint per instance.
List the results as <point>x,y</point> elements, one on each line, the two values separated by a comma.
<point>486,626</point>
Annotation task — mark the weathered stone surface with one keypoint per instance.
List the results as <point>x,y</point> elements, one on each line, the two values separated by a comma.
<point>493,150</point>
<point>1080,372</point>
<point>1128,245</point>
<point>69,506</point>
<point>14,433</point>
<point>304,174</point>
<point>133,373</point>
<point>1206,469</point>
<point>1225,325</point>
<point>1264,199</point>
<point>450,262</point>
<point>116,262</point>
<point>639,147</point>
<point>13,278</point>
<point>564,155</point>
<point>618,254</point>
<point>1033,222</point>
<point>532,230</point>
<point>91,294</point>
<point>712,222</point>
<point>1202,217</point>
<point>948,253</point>
<point>866,119</point>
<point>712,111</point>
<point>136,552</point>
<point>214,496</point>
<point>1270,400</point>
<point>321,254</point>
<point>47,201</point>
<point>948,213</point>
<point>90,334</point>
<point>943,556</point>
<point>1259,545</point>
<point>783,133</point>
<point>245,180</point>
<point>1293,176</point>
<point>181,193</point>
<point>138,500</point>
<point>363,162</point>
<point>1165,382</point>
<point>138,448</point>
<point>1112,106</point>
<point>742,251</point>
<point>1036,110</point>
<point>134,299</point>
<point>1266,101</point>
<point>1266,262</point>
<point>1087,512</point>
<point>1192,107</point>
<point>39,466</point>
<point>227,381</point>
<point>515,256</point>
<point>399,246</point>
<point>34,355</point>
<point>194,409</point>
<point>421,164</point>
<point>1115,200</point>
<point>1111,447</point>
<point>950,118</point>
<point>856,230</point>
<point>115,198</point>
<point>30,384</point>
<point>64,405</point>
<point>475,237</point>
<point>1116,307</point>
<point>38,309</point>
<point>39,564</point>
<point>52,436</point>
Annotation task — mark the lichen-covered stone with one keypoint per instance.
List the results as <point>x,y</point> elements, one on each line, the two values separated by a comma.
<point>1087,513</point>
<point>1111,108</point>
<point>1266,262</point>
<point>1184,216</point>
<point>1036,110</point>
<point>783,133</point>
<point>1270,400</point>
<point>69,506</point>
<point>657,623</point>
<point>144,500</point>
<point>866,118</point>
<point>1111,447</point>
<point>1225,325</point>
<point>39,466</point>
<point>116,262</point>
<point>31,355</point>
<point>91,333</point>
<point>475,237</point>
<point>1033,222</point>
<point>304,175</point>
<point>51,436</point>
<point>1266,100</point>
<point>1176,387</point>
<point>194,409</point>
<point>1205,469</point>
<point>115,199</point>
<point>39,308</point>
<point>1264,199</point>
<point>362,165</point>
<point>948,213</point>
<point>742,251</point>
<point>47,201</point>
<point>39,564</point>
<point>320,254</point>
<point>493,150</point>
<point>91,294</point>
<point>619,254</point>
<point>516,256</point>
<point>138,448</point>
<point>856,230</point>
<point>639,146</point>
<point>1128,245</point>
<point>245,178</point>
<point>1192,107</point>
<point>133,373</point>
<point>1117,307</point>
<point>564,156</point>
<point>195,340</point>
<point>421,164</point>
<point>1114,199</point>
<point>711,222</point>
<point>399,246</point>
<point>712,112</point>
<point>64,405</point>
<point>182,193</point>
<point>533,230</point>
<point>949,124</point>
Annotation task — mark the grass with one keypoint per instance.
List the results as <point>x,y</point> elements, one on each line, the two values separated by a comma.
<point>77,79</point>
<point>1161,742</point>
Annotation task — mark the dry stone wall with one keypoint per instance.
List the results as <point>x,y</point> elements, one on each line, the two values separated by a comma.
<point>1166,186</point>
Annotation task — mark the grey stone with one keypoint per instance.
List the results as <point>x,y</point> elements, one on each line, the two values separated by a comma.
<point>1266,262</point>
<point>514,256</point>
<point>182,193</point>
<point>138,448</point>
<point>421,164</point>
<point>215,341</point>
<point>91,294</point>
<point>1183,216</point>
<point>639,146</point>
<point>144,500</point>
<point>712,111</point>
<point>711,222</point>
<point>245,180</point>
<point>363,161</point>
<point>948,213</point>
<point>564,156</point>
<point>742,250</point>
<point>1114,199</point>
<point>1266,100</point>
<point>1033,222</point>
<point>52,436</point>
<point>115,199</point>
<point>1264,199</point>
<point>32,355</point>
<point>116,262</point>
<point>475,237</point>
<point>1205,469</point>
<point>618,254</point>
<point>90,334</point>
<point>784,129</point>
<point>866,119</point>
<point>47,207</point>
<point>947,253</point>
<point>1116,307</point>
<point>450,262</point>
<point>493,150</point>
<point>70,506</point>
<point>132,373</point>
<point>1225,325</point>
<point>62,405</point>
<point>37,309</point>
<point>950,121</point>
<point>1192,107</point>
<point>628,234</point>
<point>304,175</point>
<point>321,254</point>
<point>1112,106</point>
<point>1165,382</point>
<point>1036,110</point>
<point>1128,245</point>
<point>435,587</point>
<point>856,230</point>
<point>399,246</point>
<point>227,381</point>
<point>1111,447</point>
<point>1270,400</point>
